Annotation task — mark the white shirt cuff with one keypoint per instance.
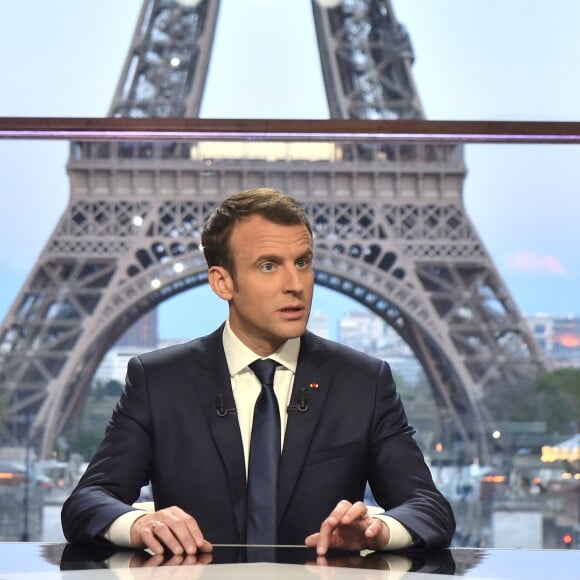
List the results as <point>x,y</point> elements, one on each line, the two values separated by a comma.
<point>119,532</point>
<point>399,535</point>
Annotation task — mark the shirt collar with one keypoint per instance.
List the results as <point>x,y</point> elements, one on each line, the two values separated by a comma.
<point>239,356</point>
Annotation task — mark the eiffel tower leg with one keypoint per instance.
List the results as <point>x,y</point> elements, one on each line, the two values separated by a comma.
<point>49,342</point>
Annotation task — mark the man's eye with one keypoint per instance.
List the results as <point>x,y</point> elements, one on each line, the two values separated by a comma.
<point>302,263</point>
<point>267,266</point>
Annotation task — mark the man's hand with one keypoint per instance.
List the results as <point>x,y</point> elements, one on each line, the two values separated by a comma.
<point>349,527</point>
<point>170,528</point>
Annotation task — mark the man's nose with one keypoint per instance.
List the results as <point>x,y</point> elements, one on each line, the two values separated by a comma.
<point>293,281</point>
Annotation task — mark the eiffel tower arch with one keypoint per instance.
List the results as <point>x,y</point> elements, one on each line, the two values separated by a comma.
<point>390,226</point>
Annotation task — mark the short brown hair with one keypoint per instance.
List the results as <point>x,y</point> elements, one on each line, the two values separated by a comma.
<point>271,204</point>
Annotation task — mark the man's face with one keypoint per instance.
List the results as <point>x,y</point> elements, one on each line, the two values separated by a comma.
<point>271,301</point>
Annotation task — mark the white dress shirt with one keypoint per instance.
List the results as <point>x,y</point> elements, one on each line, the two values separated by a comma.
<point>246,389</point>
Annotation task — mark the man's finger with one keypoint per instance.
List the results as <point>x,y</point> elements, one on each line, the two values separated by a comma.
<point>311,540</point>
<point>328,526</point>
<point>323,540</point>
<point>196,534</point>
<point>373,529</point>
<point>357,510</point>
<point>148,538</point>
<point>165,534</point>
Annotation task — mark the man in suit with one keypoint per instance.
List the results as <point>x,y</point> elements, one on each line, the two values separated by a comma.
<point>184,420</point>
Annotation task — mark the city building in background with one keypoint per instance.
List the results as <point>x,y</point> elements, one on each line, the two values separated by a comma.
<point>558,337</point>
<point>143,333</point>
<point>142,336</point>
<point>362,330</point>
<point>319,324</point>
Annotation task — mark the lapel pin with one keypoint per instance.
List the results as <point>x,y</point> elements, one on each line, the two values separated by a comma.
<point>313,385</point>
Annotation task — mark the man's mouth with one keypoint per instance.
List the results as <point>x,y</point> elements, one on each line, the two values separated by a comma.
<point>291,309</point>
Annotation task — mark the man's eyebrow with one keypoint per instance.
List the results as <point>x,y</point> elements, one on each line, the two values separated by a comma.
<point>308,254</point>
<point>268,258</point>
<point>275,258</point>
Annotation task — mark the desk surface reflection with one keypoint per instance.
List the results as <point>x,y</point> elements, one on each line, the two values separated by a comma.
<point>20,560</point>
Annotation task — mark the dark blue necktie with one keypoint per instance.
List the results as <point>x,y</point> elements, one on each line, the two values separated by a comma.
<point>264,459</point>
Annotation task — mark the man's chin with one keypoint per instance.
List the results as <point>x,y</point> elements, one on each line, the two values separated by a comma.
<point>293,329</point>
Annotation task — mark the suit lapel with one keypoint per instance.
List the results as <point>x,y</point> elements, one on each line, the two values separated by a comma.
<point>311,386</point>
<point>213,384</point>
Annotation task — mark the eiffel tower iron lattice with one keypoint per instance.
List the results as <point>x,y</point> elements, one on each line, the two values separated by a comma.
<point>390,226</point>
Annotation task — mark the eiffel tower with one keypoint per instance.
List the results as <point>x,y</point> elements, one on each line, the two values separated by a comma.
<point>390,226</point>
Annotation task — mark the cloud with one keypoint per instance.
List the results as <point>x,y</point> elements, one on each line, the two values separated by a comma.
<point>534,263</point>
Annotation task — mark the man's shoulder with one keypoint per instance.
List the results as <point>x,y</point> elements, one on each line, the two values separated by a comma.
<point>197,348</point>
<point>337,352</point>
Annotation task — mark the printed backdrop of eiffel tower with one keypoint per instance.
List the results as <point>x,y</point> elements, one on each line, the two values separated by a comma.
<point>390,227</point>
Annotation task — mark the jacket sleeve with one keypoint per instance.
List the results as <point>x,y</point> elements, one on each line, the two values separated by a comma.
<point>399,477</point>
<point>119,468</point>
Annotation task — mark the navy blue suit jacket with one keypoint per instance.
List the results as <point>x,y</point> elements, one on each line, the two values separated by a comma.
<point>166,428</point>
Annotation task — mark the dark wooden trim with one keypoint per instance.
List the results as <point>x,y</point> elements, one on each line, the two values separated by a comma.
<point>186,129</point>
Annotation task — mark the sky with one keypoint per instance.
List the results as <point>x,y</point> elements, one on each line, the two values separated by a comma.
<point>492,60</point>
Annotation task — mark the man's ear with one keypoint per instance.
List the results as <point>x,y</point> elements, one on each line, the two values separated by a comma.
<point>221,282</point>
